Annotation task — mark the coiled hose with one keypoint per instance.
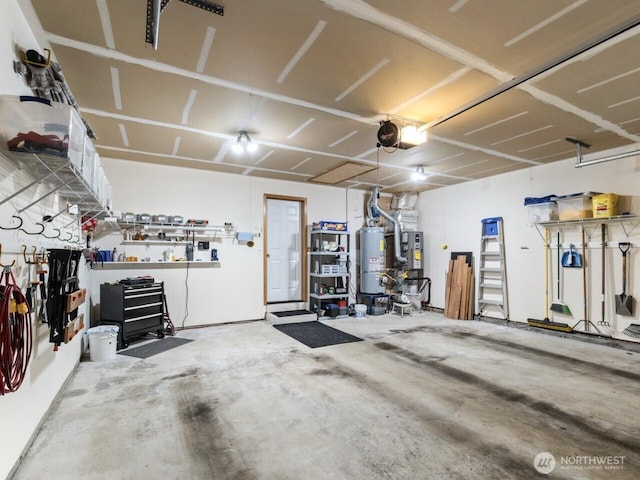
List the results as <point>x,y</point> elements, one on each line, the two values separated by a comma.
<point>15,334</point>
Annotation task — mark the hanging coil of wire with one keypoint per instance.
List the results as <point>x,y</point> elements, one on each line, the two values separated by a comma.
<point>15,333</point>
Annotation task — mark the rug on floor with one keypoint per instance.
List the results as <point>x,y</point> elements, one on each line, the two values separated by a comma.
<point>155,347</point>
<point>291,313</point>
<point>316,334</point>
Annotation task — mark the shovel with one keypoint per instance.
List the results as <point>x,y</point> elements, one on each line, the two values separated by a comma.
<point>624,302</point>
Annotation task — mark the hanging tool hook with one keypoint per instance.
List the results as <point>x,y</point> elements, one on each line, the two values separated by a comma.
<point>34,233</point>
<point>14,228</point>
<point>54,237</point>
<point>2,264</point>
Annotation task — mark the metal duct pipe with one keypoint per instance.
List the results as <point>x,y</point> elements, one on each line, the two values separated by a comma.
<point>375,208</point>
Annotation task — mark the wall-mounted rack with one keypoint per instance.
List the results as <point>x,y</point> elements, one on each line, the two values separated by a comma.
<point>628,223</point>
<point>61,176</point>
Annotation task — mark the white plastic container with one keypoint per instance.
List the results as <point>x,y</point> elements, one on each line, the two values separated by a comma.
<point>575,207</point>
<point>361,310</point>
<point>542,212</point>
<point>36,125</point>
<point>103,342</point>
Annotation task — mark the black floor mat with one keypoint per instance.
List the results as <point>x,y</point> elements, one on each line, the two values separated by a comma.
<point>316,334</point>
<point>155,347</point>
<point>291,313</point>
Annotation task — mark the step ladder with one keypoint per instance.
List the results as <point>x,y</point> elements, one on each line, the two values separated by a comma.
<point>492,285</point>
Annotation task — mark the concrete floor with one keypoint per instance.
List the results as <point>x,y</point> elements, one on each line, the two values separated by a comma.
<point>422,397</point>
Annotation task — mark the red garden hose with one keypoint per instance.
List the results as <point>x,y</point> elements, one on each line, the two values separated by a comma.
<point>15,333</point>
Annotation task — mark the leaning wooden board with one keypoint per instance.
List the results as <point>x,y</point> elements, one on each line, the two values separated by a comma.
<point>459,292</point>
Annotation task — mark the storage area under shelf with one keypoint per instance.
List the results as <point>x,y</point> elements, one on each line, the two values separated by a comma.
<point>329,275</point>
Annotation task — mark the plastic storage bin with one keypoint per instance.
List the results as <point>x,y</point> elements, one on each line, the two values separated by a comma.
<point>575,207</point>
<point>542,212</point>
<point>89,160</point>
<point>103,342</point>
<point>604,205</point>
<point>39,126</point>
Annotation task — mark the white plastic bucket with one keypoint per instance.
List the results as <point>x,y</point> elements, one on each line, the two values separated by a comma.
<point>103,342</point>
<point>361,310</point>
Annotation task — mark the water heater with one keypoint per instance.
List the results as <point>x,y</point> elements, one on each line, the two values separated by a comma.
<point>371,259</point>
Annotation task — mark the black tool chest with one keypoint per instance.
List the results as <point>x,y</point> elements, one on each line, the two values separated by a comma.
<point>136,309</point>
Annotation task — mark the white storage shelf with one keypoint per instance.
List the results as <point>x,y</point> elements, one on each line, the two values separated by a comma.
<point>177,230</point>
<point>153,265</point>
<point>62,176</point>
<point>329,268</point>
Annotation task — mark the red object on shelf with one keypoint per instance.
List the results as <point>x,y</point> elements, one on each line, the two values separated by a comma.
<point>89,224</point>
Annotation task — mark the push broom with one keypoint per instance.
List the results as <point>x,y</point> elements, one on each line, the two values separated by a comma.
<point>558,306</point>
<point>546,323</point>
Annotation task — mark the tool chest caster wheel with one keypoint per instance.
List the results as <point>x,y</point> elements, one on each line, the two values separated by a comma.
<point>160,333</point>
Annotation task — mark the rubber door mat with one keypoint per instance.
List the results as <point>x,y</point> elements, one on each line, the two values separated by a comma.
<point>316,334</point>
<point>154,348</point>
<point>291,313</point>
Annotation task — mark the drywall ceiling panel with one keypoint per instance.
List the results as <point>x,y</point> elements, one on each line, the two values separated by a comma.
<point>612,92</point>
<point>515,36</point>
<point>171,161</point>
<point>275,175</point>
<point>107,130</point>
<point>371,73</point>
<point>151,95</point>
<point>311,130</point>
<point>72,18</point>
<point>516,124</point>
<point>195,145</point>
<point>431,103</point>
<point>88,77</point>
<point>181,34</point>
<point>481,167</point>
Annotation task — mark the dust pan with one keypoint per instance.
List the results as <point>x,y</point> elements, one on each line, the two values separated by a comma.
<point>571,258</point>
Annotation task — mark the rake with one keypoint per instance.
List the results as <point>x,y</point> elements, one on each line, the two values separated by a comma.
<point>632,330</point>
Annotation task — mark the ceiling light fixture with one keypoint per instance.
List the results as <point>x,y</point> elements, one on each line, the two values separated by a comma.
<point>419,174</point>
<point>389,135</point>
<point>244,144</point>
<point>410,136</point>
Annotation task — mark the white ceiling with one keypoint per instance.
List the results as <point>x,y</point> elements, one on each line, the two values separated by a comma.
<point>499,84</point>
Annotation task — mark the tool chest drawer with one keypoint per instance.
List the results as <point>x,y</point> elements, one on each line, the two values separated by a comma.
<point>136,309</point>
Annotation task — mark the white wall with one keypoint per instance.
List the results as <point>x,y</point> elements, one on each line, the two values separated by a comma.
<point>453,216</point>
<point>234,290</point>
<point>22,411</point>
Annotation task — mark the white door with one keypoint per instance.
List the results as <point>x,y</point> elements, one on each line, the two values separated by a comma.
<point>284,250</point>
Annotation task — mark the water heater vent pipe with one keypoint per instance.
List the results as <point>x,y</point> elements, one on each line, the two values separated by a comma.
<point>374,209</point>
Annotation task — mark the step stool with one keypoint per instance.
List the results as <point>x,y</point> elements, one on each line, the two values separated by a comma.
<point>402,308</point>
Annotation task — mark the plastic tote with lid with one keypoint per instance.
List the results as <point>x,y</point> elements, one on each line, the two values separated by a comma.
<point>103,342</point>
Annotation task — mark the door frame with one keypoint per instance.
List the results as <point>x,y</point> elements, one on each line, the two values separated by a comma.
<point>303,242</point>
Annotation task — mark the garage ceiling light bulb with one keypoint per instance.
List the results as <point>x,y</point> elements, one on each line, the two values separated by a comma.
<point>243,143</point>
<point>419,174</point>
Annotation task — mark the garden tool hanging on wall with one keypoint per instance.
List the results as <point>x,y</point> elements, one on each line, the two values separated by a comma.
<point>624,302</point>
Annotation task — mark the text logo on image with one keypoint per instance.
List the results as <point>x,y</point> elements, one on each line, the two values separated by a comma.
<point>544,463</point>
